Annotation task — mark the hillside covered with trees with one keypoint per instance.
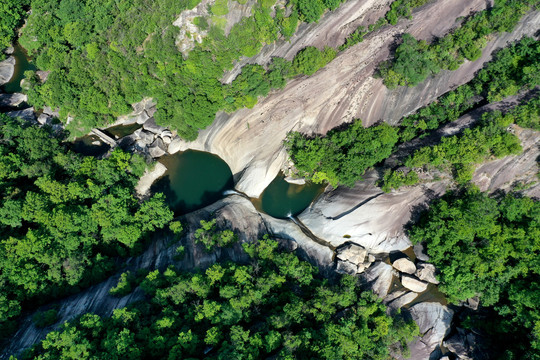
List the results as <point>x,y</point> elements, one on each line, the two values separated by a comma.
<point>428,231</point>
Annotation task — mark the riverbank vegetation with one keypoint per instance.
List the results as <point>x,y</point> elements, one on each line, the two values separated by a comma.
<point>459,154</point>
<point>415,60</point>
<point>12,13</point>
<point>343,155</point>
<point>333,158</point>
<point>488,247</point>
<point>63,217</point>
<point>275,306</point>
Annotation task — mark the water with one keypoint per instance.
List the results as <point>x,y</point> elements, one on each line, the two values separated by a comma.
<point>87,145</point>
<point>283,200</point>
<point>194,179</point>
<point>119,131</point>
<point>22,64</point>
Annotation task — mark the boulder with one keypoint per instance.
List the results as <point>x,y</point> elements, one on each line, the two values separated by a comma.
<point>127,141</point>
<point>433,320</point>
<point>44,119</point>
<point>42,75</point>
<point>465,345</point>
<point>352,253</point>
<point>292,180</point>
<point>7,68</point>
<point>157,149</point>
<point>9,50</point>
<point>150,125</point>
<point>426,272</point>
<point>420,252</point>
<point>25,114</point>
<point>472,303</point>
<point>402,300</point>
<point>413,284</point>
<point>54,113</point>
<point>12,100</point>
<point>345,267</point>
<point>167,140</point>
<point>404,265</point>
<point>379,277</point>
<point>146,137</point>
<point>393,296</point>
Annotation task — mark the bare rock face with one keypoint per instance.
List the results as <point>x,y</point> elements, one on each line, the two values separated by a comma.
<point>353,259</point>
<point>251,140</point>
<point>352,253</point>
<point>367,216</point>
<point>25,114</point>
<point>433,320</point>
<point>420,252</point>
<point>146,137</point>
<point>402,300</point>
<point>465,345</point>
<point>404,265</point>
<point>413,283</point>
<point>7,68</point>
<point>292,180</point>
<point>157,149</point>
<point>426,272</point>
<point>44,119</point>
<point>234,212</point>
<point>502,173</point>
<point>379,278</point>
<point>151,126</point>
<point>12,100</point>
<point>148,178</point>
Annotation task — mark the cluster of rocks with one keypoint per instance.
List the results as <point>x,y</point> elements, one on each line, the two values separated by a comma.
<point>353,259</point>
<point>151,139</point>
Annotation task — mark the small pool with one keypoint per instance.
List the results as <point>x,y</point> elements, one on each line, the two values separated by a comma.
<point>89,145</point>
<point>282,199</point>
<point>194,179</point>
<point>22,64</point>
<point>119,131</point>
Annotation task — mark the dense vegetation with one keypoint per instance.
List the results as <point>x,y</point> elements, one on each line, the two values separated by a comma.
<point>415,60</point>
<point>458,154</point>
<point>11,14</point>
<point>63,216</point>
<point>489,247</point>
<point>343,155</point>
<point>276,306</point>
<point>104,56</point>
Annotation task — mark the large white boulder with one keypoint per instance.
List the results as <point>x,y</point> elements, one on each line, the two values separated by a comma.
<point>404,265</point>
<point>413,284</point>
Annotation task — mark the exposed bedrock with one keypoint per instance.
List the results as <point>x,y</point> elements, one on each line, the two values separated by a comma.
<point>251,140</point>
<point>366,216</point>
<point>501,174</point>
<point>7,68</point>
<point>234,212</point>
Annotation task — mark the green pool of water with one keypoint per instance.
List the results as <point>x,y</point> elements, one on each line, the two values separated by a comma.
<point>119,131</point>
<point>89,145</point>
<point>194,179</point>
<point>281,199</point>
<point>22,64</point>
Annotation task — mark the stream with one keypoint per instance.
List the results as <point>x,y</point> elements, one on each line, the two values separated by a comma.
<point>22,64</point>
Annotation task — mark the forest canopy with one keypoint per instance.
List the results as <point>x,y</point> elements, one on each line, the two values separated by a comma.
<point>63,216</point>
<point>275,306</point>
<point>489,247</point>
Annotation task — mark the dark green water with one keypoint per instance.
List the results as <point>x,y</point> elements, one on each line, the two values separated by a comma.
<point>22,64</point>
<point>194,179</point>
<point>119,131</point>
<point>84,145</point>
<point>281,199</point>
